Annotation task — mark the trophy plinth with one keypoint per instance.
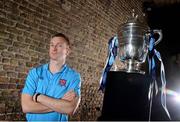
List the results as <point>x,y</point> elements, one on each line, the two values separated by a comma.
<point>126,98</point>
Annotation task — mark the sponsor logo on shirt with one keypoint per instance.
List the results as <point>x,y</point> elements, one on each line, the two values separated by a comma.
<point>62,82</point>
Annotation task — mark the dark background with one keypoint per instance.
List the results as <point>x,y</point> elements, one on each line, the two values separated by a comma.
<point>167,18</point>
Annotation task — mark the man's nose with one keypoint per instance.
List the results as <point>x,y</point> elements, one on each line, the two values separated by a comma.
<point>54,48</point>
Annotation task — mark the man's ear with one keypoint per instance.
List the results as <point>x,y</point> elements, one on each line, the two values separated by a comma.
<point>68,51</point>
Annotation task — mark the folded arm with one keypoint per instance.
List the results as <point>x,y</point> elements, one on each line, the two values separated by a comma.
<point>68,104</point>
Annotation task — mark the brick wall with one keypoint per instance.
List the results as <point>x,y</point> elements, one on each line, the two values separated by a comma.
<point>25,29</point>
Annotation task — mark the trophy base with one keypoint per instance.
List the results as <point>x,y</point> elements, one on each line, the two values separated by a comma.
<point>132,71</point>
<point>132,66</point>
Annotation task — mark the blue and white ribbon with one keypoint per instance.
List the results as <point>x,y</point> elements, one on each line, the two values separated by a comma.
<point>152,71</point>
<point>163,81</point>
<point>112,53</point>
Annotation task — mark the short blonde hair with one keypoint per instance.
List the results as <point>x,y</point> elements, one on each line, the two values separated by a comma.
<point>63,36</point>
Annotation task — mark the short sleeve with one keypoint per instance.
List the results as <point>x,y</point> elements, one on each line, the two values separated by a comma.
<point>76,84</point>
<point>30,83</point>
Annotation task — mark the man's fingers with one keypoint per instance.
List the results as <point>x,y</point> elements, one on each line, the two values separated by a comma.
<point>70,95</point>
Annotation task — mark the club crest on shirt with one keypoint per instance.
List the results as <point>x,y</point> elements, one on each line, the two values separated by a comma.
<point>62,82</point>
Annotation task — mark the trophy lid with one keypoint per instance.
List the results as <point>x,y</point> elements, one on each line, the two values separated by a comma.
<point>135,22</point>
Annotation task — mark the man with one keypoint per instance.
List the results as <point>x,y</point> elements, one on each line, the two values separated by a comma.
<point>52,91</point>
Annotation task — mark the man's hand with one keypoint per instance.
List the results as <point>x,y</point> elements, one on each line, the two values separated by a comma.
<point>69,96</point>
<point>34,97</point>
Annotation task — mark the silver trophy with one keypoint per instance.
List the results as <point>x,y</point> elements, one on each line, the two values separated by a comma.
<point>133,39</point>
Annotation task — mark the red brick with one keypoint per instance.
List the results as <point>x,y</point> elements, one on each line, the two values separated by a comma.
<point>4,86</point>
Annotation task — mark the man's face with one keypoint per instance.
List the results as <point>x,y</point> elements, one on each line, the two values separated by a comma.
<point>58,49</point>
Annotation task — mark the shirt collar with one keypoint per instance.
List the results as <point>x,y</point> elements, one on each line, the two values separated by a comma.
<point>60,71</point>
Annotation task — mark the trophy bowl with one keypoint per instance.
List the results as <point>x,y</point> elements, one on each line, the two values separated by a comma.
<point>133,39</point>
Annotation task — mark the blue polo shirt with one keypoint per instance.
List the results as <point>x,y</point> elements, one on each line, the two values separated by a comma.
<point>41,80</point>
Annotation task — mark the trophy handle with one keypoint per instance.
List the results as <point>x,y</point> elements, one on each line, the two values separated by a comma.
<point>159,32</point>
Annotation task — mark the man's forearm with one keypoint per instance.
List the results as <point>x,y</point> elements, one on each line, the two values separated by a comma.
<point>29,106</point>
<point>58,105</point>
<point>37,108</point>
